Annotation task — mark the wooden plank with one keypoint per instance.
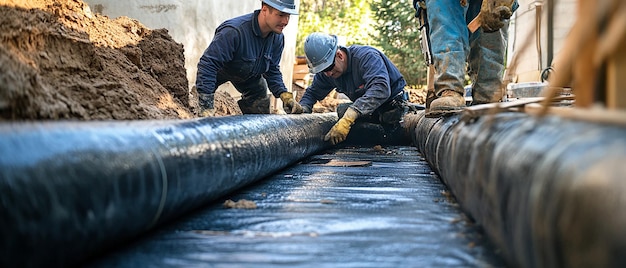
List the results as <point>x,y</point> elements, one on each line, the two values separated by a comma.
<point>601,116</point>
<point>609,50</point>
<point>585,72</point>
<point>616,70</point>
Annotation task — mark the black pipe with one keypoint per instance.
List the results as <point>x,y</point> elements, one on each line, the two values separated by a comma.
<point>550,32</point>
<point>550,192</point>
<point>69,190</point>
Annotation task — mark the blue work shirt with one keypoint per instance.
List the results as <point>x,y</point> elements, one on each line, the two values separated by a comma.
<point>238,53</point>
<point>370,80</point>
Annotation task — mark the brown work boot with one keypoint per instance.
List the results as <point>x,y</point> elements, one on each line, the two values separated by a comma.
<point>449,102</point>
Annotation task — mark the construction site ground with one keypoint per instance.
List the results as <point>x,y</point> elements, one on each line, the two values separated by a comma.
<point>359,206</point>
<point>363,206</point>
<point>61,61</point>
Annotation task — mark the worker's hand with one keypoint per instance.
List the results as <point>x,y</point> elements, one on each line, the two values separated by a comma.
<point>205,101</point>
<point>493,13</point>
<point>289,104</point>
<point>340,130</point>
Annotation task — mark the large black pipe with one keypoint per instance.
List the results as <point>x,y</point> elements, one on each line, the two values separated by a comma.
<point>69,190</point>
<point>550,192</point>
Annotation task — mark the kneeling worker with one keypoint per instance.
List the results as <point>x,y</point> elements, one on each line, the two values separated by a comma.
<point>246,51</point>
<point>363,73</point>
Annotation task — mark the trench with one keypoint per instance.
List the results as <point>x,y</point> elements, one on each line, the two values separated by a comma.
<point>354,206</point>
<point>504,190</point>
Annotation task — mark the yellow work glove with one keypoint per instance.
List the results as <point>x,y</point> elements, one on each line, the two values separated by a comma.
<point>493,13</point>
<point>340,130</point>
<point>289,104</point>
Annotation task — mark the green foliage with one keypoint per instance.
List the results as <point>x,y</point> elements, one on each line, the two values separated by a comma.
<point>398,36</point>
<point>350,19</point>
<point>388,25</point>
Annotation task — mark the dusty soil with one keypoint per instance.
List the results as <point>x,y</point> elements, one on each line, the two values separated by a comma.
<point>242,203</point>
<point>59,60</point>
<point>417,95</point>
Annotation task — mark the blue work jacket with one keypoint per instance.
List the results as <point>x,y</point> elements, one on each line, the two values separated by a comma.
<point>238,53</point>
<point>370,80</point>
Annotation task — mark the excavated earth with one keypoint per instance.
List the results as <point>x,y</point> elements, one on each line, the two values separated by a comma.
<point>59,60</point>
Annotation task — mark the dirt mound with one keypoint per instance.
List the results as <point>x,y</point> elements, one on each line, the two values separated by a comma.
<point>58,60</point>
<point>417,95</point>
<point>224,103</point>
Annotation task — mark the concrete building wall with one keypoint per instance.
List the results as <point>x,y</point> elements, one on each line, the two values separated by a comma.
<point>536,38</point>
<point>565,14</point>
<point>193,23</point>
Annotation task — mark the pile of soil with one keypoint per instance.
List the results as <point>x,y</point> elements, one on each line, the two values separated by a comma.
<point>58,60</point>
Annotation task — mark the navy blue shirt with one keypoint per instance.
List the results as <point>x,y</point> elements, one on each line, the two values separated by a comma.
<point>370,80</point>
<point>238,53</point>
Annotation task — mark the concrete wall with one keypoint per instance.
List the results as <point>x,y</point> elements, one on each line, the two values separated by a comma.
<point>529,35</point>
<point>193,23</point>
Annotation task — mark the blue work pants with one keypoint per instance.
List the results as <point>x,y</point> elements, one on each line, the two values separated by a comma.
<point>457,52</point>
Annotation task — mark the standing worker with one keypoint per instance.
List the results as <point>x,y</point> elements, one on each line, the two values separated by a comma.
<point>363,73</point>
<point>453,45</point>
<point>246,51</point>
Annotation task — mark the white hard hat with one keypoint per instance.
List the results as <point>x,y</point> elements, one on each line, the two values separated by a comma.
<point>286,6</point>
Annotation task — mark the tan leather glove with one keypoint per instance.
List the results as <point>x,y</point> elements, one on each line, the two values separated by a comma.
<point>340,130</point>
<point>493,13</point>
<point>289,104</point>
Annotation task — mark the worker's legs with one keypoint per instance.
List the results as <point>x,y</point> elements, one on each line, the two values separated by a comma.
<point>254,98</point>
<point>387,114</point>
<point>449,42</point>
<point>392,116</point>
<point>369,118</point>
<point>486,65</point>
